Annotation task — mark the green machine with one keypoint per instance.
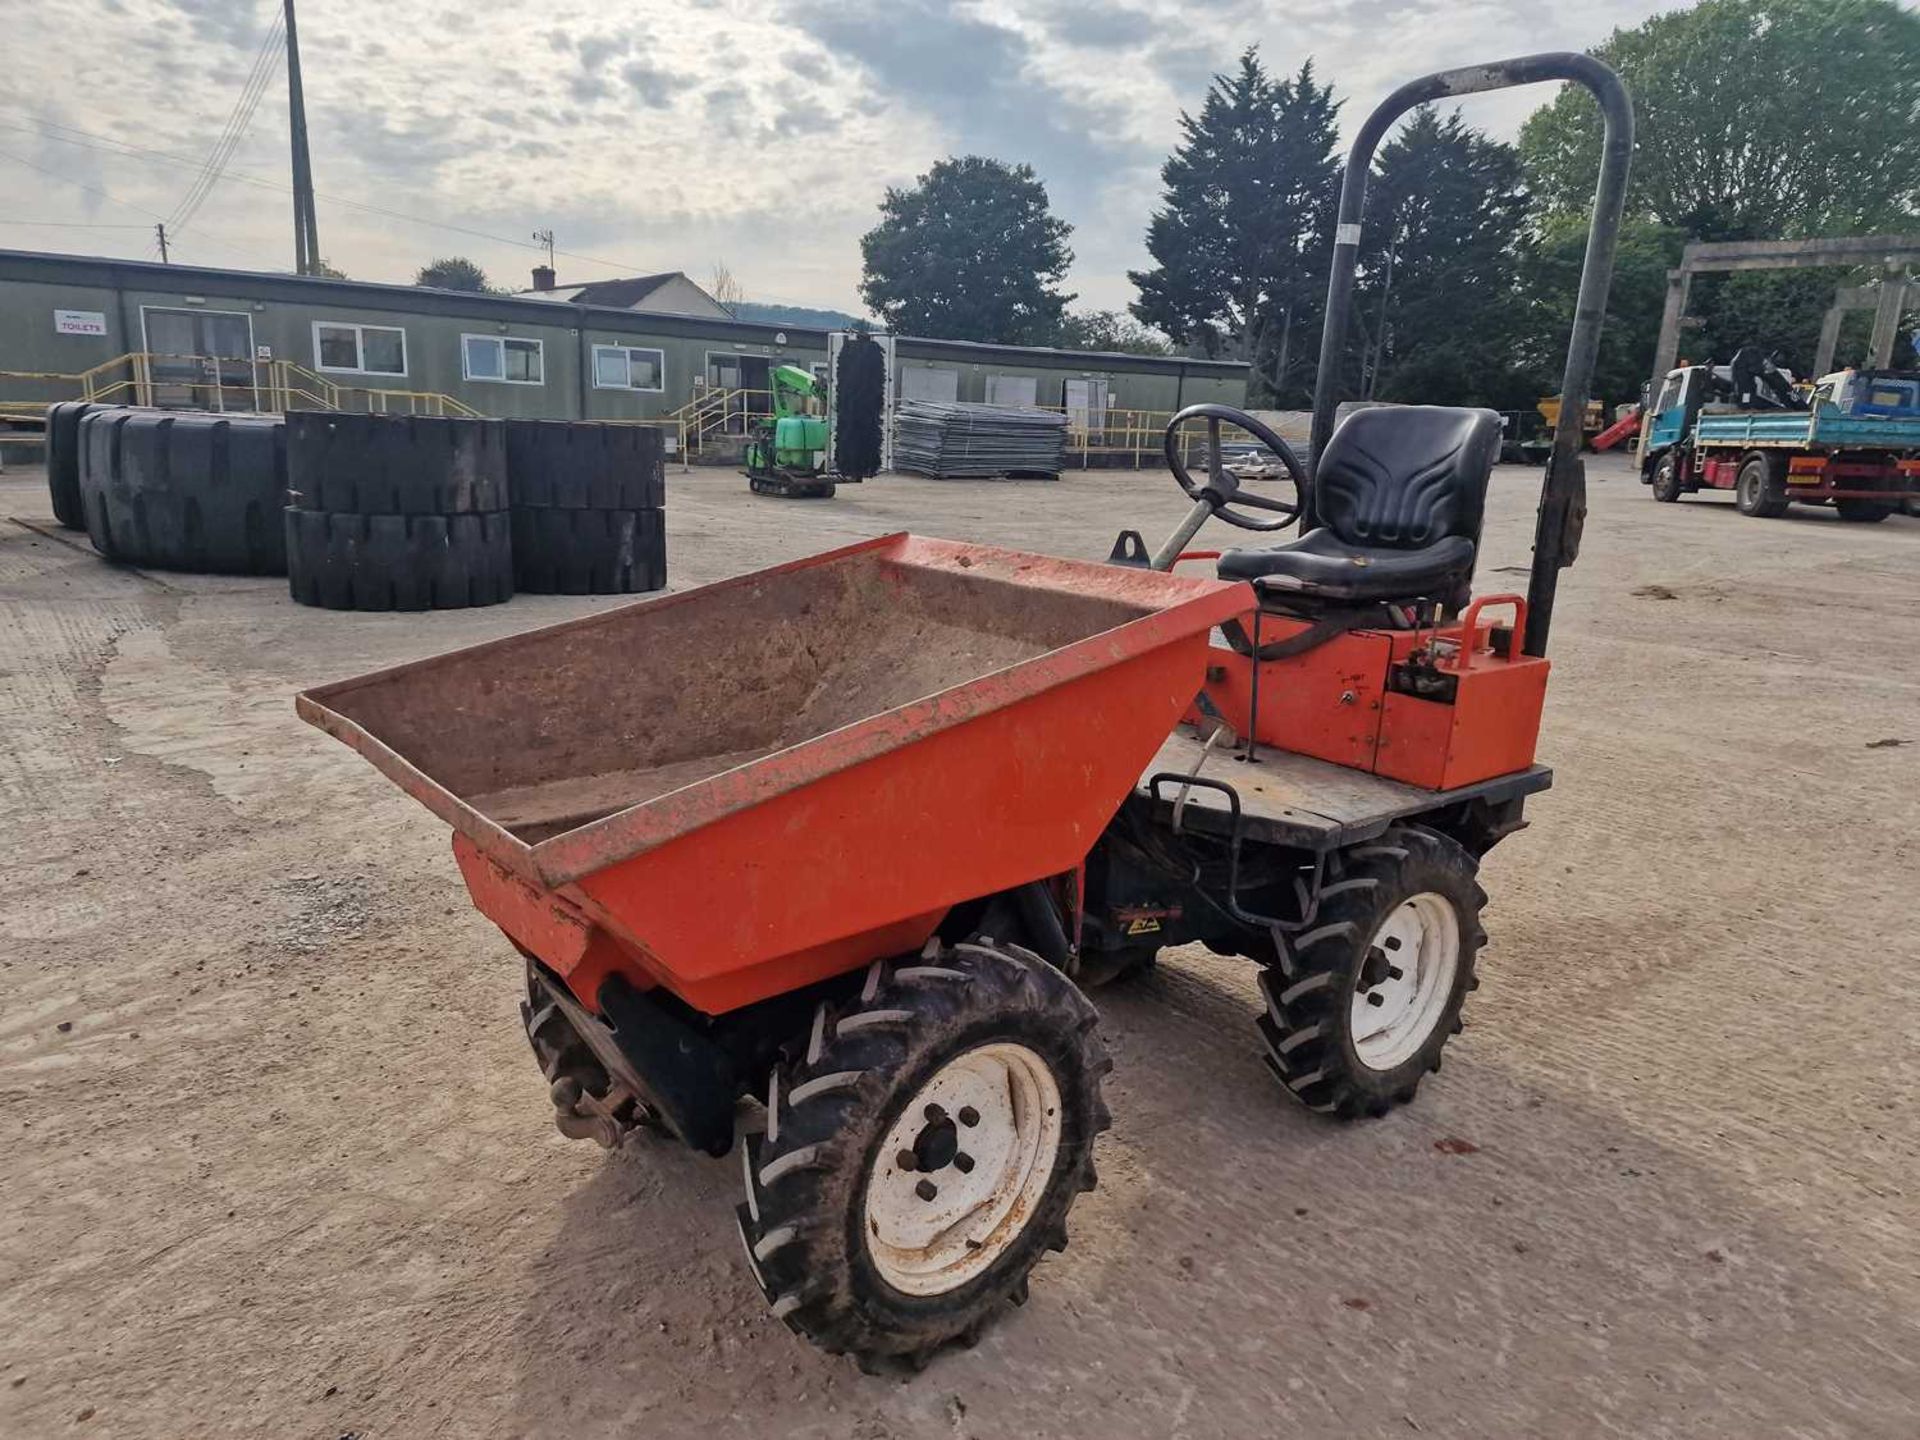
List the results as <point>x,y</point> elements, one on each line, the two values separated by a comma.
<point>787,451</point>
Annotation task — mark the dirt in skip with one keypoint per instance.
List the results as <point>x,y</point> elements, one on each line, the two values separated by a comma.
<point>287,1168</point>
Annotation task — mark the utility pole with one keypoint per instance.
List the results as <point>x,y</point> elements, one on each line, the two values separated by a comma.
<point>306,229</point>
<point>545,237</point>
<point>161,231</point>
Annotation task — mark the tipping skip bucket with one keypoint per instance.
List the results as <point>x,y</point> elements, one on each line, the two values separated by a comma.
<point>744,788</point>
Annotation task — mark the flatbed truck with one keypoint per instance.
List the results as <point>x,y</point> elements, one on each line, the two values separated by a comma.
<point>1856,446</point>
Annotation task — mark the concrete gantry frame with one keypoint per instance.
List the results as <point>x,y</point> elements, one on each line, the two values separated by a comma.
<point>1887,301</point>
<point>1894,253</point>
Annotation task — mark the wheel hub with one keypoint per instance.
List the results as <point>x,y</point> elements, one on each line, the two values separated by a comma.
<point>959,1175</point>
<point>1405,981</point>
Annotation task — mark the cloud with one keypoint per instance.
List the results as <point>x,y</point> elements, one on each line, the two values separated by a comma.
<point>1097,26</point>
<point>654,85</point>
<point>593,52</point>
<point>728,107</point>
<point>240,23</point>
<point>980,81</point>
<point>536,116</point>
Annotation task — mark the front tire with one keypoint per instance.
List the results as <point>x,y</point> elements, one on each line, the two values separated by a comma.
<point>922,1150</point>
<point>1361,1005</point>
<point>1666,479</point>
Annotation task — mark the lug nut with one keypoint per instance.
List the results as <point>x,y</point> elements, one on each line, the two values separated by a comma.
<point>1394,972</point>
<point>906,1160</point>
<point>934,1114</point>
<point>969,1115</point>
<point>926,1189</point>
<point>1376,999</point>
<point>963,1162</point>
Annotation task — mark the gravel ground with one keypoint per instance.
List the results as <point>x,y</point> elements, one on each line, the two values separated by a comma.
<point>278,1162</point>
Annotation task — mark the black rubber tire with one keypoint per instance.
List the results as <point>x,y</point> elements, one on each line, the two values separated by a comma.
<point>185,491</point>
<point>1308,1027</point>
<point>829,1111</point>
<point>396,464</point>
<point>588,552</point>
<point>1863,512</point>
<point>806,490</point>
<point>398,562</point>
<point>580,465</point>
<point>1666,479</point>
<point>859,397</point>
<point>1760,489</point>
<point>63,460</point>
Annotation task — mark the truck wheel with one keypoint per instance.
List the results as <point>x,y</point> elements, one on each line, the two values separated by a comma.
<point>1863,512</point>
<point>1666,479</point>
<point>1360,1006</point>
<point>922,1150</point>
<point>1757,490</point>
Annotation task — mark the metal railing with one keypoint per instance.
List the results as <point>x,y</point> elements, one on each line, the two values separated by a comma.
<point>213,382</point>
<point>1114,438</point>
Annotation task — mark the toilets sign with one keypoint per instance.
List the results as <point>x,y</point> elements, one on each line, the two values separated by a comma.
<point>79,322</point>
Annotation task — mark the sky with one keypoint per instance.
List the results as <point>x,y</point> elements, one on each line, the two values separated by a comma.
<point>755,134</point>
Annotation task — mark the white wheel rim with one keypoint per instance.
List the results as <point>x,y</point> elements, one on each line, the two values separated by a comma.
<point>1406,979</point>
<point>997,1106</point>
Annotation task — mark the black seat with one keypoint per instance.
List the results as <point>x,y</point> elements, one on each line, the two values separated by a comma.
<point>1399,492</point>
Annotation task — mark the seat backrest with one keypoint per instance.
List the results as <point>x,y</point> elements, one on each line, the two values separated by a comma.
<point>1401,477</point>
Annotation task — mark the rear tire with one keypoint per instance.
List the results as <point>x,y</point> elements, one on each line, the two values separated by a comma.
<point>1759,490</point>
<point>1863,512</point>
<point>975,1071</point>
<point>1361,1005</point>
<point>1666,479</point>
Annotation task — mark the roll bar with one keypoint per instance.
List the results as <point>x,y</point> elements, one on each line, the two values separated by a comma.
<point>1563,493</point>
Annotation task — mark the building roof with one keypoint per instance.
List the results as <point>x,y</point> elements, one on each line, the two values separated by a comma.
<point>533,309</point>
<point>619,294</point>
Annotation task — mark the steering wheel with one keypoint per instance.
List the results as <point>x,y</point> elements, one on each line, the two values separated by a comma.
<point>1222,488</point>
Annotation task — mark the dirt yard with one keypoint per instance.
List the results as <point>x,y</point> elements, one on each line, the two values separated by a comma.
<point>278,1162</point>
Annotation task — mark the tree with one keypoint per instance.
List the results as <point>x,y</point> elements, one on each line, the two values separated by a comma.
<point>725,289</point>
<point>1110,330</point>
<point>1549,282</point>
<point>328,272</point>
<point>1754,119</point>
<point>455,272</point>
<point>1436,306</point>
<point>970,252</point>
<point>1245,226</point>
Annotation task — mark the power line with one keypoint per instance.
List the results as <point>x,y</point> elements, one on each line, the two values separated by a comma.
<point>239,118</point>
<point>72,225</point>
<point>108,196</point>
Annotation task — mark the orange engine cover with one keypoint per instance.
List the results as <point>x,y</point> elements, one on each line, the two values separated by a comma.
<point>1336,701</point>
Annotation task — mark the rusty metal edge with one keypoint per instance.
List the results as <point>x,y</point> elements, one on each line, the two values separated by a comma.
<point>570,857</point>
<point>493,841</point>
